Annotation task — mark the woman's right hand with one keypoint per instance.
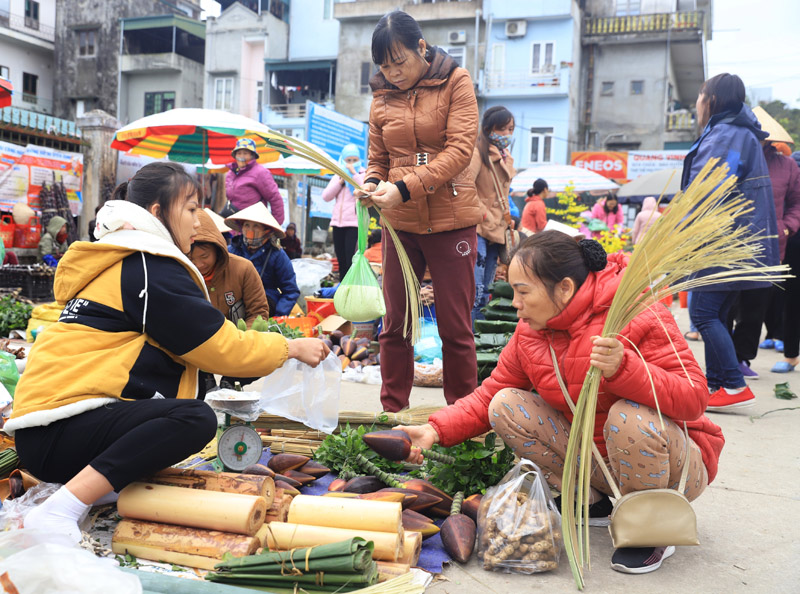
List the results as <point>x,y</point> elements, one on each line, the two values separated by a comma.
<point>422,436</point>
<point>310,351</point>
<point>363,194</point>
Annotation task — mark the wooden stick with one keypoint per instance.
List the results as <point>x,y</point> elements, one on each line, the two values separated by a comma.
<point>225,482</point>
<point>156,554</point>
<point>212,510</point>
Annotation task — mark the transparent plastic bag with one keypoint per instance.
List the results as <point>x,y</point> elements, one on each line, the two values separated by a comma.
<point>519,527</point>
<point>309,274</point>
<point>309,395</point>
<point>13,512</point>
<point>242,405</point>
<point>429,346</point>
<point>50,567</point>
<point>359,297</point>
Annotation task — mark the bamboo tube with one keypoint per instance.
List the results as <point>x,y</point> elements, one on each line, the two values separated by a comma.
<point>180,539</point>
<point>156,554</point>
<point>412,546</point>
<point>354,514</point>
<point>387,570</point>
<point>225,482</point>
<point>283,536</point>
<point>227,512</point>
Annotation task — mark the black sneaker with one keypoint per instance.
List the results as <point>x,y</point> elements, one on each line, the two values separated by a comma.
<point>640,560</point>
<point>599,511</point>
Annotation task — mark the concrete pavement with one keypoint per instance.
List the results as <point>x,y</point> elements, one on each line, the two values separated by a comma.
<point>748,517</point>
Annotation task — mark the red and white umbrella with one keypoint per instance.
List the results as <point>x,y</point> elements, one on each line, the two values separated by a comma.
<point>6,90</point>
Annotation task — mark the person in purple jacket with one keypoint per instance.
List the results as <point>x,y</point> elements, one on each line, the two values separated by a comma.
<point>247,182</point>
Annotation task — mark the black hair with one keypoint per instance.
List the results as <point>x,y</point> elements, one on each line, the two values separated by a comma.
<point>551,256</point>
<point>374,237</point>
<point>610,196</point>
<point>724,92</point>
<point>539,186</point>
<point>493,118</point>
<point>394,27</point>
<point>161,183</point>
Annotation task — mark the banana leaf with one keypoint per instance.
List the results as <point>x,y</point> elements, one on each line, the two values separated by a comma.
<point>491,341</point>
<point>320,578</point>
<point>351,555</point>
<point>355,563</point>
<point>494,313</point>
<point>501,289</point>
<point>495,326</point>
<point>501,303</point>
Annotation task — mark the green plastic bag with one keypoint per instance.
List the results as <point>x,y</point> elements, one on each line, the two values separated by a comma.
<point>9,375</point>
<point>359,297</point>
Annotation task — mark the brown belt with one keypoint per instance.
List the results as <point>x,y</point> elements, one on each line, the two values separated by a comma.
<point>414,160</point>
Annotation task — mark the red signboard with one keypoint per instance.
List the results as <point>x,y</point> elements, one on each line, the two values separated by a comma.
<point>613,165</point>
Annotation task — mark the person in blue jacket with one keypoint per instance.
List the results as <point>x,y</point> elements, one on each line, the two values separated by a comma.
<point>732,134</point>
<point>259,243</point>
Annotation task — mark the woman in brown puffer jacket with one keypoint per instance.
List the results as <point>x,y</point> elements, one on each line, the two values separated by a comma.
<point>423,124</point>
<point>493,167</point>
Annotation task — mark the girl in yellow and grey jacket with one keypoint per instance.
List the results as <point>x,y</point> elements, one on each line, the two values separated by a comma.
<point>108,395</point>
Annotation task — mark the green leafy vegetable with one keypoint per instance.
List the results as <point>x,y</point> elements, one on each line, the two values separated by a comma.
<point>478,466</point>
<point>784,392</point>
<point>14,314</point>
<point>339,451</point>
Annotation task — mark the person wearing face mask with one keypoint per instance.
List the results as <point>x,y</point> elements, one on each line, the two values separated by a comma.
<point>54,240</point>
<point>343,221</point>
<point>492,167</point>
<point>732,134</point>
<point>423,125</point>
<point>248,183</point>
<point>108,396</point>
<point>259,242</point>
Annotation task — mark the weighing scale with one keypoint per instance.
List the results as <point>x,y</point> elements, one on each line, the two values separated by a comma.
<point>238,446</point>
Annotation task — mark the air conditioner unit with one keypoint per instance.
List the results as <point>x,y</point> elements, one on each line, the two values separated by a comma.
<point>516,28</point>
<point>454,37</point>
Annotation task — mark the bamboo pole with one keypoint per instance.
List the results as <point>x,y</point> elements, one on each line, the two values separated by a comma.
<point>224,482</point>
<point>284,536</point>
<point>227,512</point>
<point>354,514</point>
<point>412,547</point>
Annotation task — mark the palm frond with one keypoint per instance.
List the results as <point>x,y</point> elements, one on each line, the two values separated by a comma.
<point>697,232</point>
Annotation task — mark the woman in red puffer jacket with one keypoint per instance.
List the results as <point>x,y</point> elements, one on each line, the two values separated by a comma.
<point>562,292</point>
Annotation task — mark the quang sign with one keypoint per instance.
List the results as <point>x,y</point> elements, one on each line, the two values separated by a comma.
<point>610,164</point>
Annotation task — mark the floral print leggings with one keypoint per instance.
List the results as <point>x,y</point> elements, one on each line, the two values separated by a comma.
<point>640,454</point>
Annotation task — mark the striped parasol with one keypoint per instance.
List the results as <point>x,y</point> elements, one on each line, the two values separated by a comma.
<point>6,90</point>
<point>560,176</point>
<point>296,165</point>
<point>189,135</point>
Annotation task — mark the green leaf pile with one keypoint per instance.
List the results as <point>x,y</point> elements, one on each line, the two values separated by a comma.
<point>14,315</point>
<point>478,466</point>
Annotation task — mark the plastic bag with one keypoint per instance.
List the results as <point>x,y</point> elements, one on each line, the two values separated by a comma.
<point>242,405</point>
<point>9,374</point>
<point>429,376</point>
<point>308,395</point>
<point>13,512</point>
<point>519,527</point>
<point>429,346</point>
<point>370,374</point>
<point>359,297</point>
<point>309,274</point>
<point>50,567</point>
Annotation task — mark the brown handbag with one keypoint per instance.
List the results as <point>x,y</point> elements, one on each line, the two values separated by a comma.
<point>649,518</point>
<point>512,236</point>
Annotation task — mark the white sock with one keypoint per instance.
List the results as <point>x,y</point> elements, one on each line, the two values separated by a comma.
<point>734,390</point>
<point>60,513</point>
<point>110,497</point>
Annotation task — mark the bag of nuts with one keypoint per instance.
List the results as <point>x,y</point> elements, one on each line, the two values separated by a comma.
<point>519,527</point>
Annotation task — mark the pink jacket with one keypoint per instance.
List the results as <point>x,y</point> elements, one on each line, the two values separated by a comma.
<point>526,363</point>
<point>645,219</point>
<point>785,177</point>
<point>253,183</point>
<point>610,219</point>
<point>344,211</point>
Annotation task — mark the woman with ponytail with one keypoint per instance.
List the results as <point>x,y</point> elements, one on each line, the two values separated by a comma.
<point>562,293</point>
<point>493,167</point>
<point>109,393</point>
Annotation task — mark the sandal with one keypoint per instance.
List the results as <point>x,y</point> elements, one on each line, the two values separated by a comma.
<point>695,336</point>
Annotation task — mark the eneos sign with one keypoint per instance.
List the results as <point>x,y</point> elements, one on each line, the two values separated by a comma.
<point>613,165</point>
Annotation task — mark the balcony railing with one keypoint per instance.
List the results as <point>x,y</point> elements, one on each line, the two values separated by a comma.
<point>23,24</point>
<point>521,79</point>
<point>288,110</point>
<point>681,120</point>
<point>644,23</point>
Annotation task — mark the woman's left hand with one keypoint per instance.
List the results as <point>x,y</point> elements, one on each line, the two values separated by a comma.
<point>387,196</point>
<point>607,354</point>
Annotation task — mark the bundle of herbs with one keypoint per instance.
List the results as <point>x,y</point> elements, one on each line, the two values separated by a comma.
<point>14,314</point>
